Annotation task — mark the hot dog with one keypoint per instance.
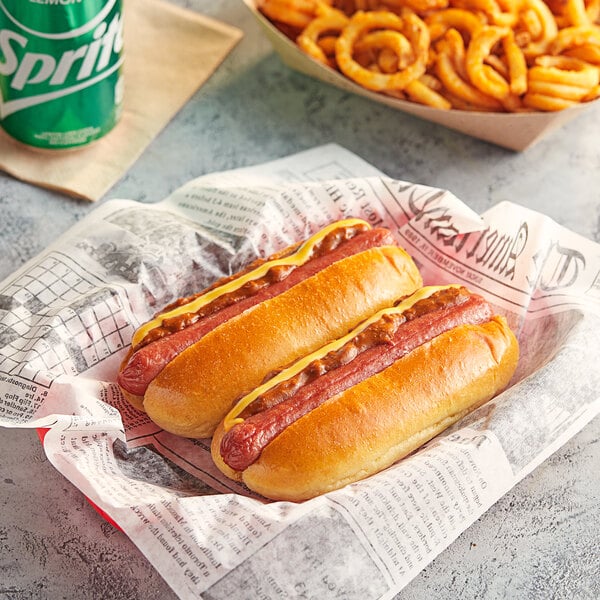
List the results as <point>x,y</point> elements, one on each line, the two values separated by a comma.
<point>187,366</point>
<point>364,401</point>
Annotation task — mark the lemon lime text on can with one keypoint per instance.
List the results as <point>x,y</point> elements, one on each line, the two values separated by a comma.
<point>61,82</point>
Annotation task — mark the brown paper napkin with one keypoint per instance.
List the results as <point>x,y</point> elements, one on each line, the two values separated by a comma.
<point>169,53</point>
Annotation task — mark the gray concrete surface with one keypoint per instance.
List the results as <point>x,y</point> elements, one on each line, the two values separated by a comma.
<point>539,541</point>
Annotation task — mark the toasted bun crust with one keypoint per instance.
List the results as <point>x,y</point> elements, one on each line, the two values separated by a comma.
<point>385,417</point>
<point>135,401</point>
<point>195,390</point>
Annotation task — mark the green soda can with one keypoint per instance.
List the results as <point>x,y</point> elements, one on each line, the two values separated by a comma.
<point>61,83</point>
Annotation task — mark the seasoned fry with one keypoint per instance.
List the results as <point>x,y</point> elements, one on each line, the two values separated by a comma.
<point>558,81</point>
<point>460,88</point>
<point>419,91</point>
<point>547,103</point>
<point>558,90</point>
<point>483,55</point>
<point>390,50</point>
<point>361,23</point>
<point>295,13</point>
<point>593,94</point>
<point>575,11</point>
<point>484,77</point>
<point>571,37</point>
<point>491,9</point>
<point>456,18</point>
<point>333,21</point>
<point>517,66</point>
<point>564,69</point>
<point>419,6</point>
<point>592,8</point>
<point>587,52</point>
<point>541,31</point>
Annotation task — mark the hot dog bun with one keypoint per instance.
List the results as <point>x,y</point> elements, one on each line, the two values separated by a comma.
<point>195,390</point>
<point>378,421</point>
<point>133,399</point>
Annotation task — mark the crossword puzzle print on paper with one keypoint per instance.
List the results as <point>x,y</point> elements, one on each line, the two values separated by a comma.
<point>56,319</point>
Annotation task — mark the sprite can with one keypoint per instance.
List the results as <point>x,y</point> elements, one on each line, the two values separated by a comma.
<point>61,82</point>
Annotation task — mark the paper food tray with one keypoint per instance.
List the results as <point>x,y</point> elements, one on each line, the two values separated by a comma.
<point>70,313</point>
<point>515,131</point>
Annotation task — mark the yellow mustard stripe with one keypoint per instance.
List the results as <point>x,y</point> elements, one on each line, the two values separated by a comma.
<point>232,418</point>
<point>298,258</point>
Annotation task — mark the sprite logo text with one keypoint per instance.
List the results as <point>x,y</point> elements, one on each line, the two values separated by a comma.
<point>38,77</point>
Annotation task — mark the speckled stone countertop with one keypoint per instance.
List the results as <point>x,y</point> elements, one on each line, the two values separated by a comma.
<point>539,541</point>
